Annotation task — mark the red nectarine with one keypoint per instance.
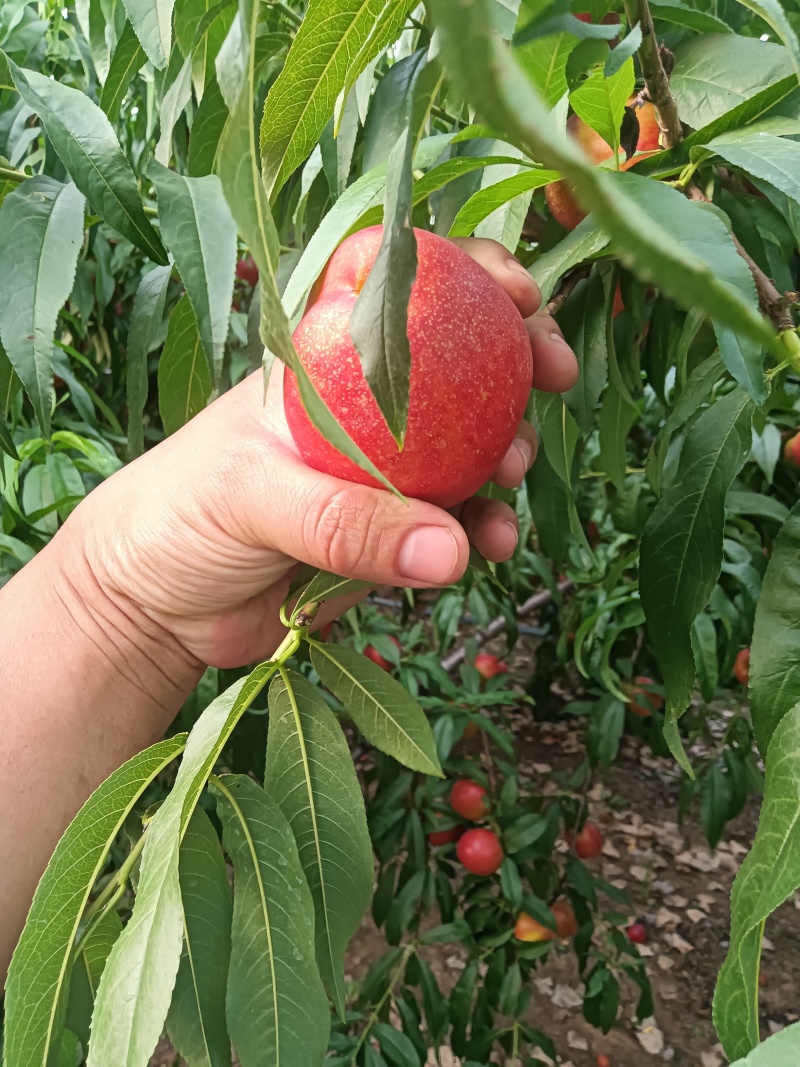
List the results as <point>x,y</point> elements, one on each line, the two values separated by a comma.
<point>471,370</point>
<point>791,450</point>
<point>528,929</point>
<point>563,205</point>
<point>741,667</point>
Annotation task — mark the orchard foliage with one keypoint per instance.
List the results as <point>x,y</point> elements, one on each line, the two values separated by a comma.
<point>174,176</point>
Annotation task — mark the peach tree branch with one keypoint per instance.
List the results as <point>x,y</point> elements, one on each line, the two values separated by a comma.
<point>655,75</point>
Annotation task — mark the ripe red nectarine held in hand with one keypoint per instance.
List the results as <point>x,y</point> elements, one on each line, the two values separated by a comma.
<point>471,371</point>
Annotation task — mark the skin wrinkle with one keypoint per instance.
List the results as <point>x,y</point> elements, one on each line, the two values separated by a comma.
<point>97,626</point>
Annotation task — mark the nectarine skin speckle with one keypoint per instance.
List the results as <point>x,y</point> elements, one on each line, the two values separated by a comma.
<point>471,370</point>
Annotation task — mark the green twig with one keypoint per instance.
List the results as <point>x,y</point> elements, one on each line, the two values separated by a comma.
<point>287,11</point>
<point>9,174</point>
<point>410,950</point>
<point>120,879</point>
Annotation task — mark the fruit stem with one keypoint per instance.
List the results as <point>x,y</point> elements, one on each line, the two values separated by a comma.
<point>686,175</point>
<point>655,75</point>
<point>113,889</point>
<point>9,174</point>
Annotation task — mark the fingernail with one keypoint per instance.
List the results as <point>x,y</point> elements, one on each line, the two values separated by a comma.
<point>513,538</point>
<point>428,554</point>
<point>524,448</point>
<point>557,339</point>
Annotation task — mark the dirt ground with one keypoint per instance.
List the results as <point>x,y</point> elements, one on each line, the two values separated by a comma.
<point>678,888</point>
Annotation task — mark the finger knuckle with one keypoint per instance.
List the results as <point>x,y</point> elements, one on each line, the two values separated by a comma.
<point>344,531</point>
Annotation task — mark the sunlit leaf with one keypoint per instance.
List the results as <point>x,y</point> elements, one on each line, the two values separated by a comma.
<point>310,775</point>
<point>88,147</point>
<point>148,310</point>
<point>336,41</point>
<point>38,978</point>
<point>276,1006</point>
<point>184,381</point>
<point>135,990</point>
<point>681,550</point>
<point>199,231</point>
<point>769,875</point>
<point>42,220</point>
<point>382,709</point>
<point>196,1020</point>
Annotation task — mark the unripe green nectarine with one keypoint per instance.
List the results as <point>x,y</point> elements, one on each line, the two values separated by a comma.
<point>471,370</point>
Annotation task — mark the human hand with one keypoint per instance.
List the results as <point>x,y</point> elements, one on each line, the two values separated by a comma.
<point>200,534</point>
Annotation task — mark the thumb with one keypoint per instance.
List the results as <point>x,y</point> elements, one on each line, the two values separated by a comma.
<point>357,531</point>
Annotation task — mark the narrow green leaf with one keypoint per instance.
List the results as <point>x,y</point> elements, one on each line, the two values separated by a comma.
<point>88,147</point>
<point>704,647</point>
<point>199,231</point>
<point>694,393</point>
<point>6,440</point>
<point>584,319</point>
<point>184,382</point>
<point>383,710</point>
<point>768,876</point>
<point>243,187</point>
<point>128,59</point>
<point>152,21</point>
<point>379,320</point>
<point>623,51</point>
<point>209,122</point>
<point>617,416</point>
<point>135,990</point>
<point>680,14</point>
<point>481,204</point>
<point>148,311</point>
<point>775,650</point>
<point>389,109</point>
<point>93,951</point>
<point>172,107</point>
<point>704,234</point>
<point>276,1006</point>
<point>10,384</point>
<point>681,552</point>
<point>196,1020</point>
<point>559,433</point>
<point>584,243</point>
<point>600,101</point>
<point>325,586</point>
<point>92,21</point>
<point>42,220</point>
<point>487,75</point>
<point>310,775</point>
<point>336,41</point>
<point>396,1046</point>
<point>38,978</point>
<point>744,502</point>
